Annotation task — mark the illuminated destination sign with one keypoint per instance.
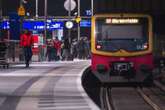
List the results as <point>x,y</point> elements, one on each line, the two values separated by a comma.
<point>35,25</point>
<point>40,25</point>
<point>122,21</point>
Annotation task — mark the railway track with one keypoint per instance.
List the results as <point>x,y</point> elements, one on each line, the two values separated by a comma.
<point>157,96</point>
<point>126,99</point>
<point>105,99</point>
<point>148,99</point>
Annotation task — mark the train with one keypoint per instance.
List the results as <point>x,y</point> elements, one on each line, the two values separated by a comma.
<point>122,48</point>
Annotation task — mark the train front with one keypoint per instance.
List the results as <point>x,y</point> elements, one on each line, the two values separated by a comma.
<point>122,48</point>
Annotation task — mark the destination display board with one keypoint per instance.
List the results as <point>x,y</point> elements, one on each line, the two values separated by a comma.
<point>35,25</point>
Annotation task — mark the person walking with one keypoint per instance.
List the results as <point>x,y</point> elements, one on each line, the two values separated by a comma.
<point>74,48</point>
<point>26,42</point>
<point>81,48</point>
<point>57,46</point>
<point>87,48</point>
<point>50,50</point>
<point>66,49</point>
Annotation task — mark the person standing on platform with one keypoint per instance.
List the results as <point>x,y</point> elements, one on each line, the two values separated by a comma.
<point>57,46</point>
<point>26,42</point>
<point>66,49</point>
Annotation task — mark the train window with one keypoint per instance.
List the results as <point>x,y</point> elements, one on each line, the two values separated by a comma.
<point>122,31</point>
<point>127,36</point>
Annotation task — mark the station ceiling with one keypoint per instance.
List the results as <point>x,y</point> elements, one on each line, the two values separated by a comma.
<point>153,7</point>
<point>56,7</point>
<point>156,8</point>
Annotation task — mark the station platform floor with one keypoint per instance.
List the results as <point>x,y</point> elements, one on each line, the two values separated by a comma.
<point>45,86</point>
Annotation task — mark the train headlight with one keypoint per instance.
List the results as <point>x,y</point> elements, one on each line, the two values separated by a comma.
<point>98,46</point>
<point>145,46</point>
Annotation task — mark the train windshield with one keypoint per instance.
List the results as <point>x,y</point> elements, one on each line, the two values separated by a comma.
<point>113,34</point>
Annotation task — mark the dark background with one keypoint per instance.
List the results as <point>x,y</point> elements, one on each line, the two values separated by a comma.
<point>55,7</point>
<point>146,6</point>
<point>156,8</point>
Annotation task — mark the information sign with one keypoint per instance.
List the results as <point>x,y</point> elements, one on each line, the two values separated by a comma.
<point>21,10</point>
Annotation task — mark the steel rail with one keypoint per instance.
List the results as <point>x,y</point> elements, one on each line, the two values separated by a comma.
<point>148,100</point>
<point>105,99</point>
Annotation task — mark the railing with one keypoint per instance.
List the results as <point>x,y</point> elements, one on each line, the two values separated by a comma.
<point>15,53</point>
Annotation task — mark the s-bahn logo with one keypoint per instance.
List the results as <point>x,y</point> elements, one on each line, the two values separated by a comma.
<point>122,21</point>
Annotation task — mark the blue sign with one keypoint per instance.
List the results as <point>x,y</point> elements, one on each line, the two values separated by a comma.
<point>55,25</point>
<point>85,23</point>
<point>14,23</point>
<point>35,25</point>
<point>40,25</point>
<point>4,25</point>
<point>88,12</point>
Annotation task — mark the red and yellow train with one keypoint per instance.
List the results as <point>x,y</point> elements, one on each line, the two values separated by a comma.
<point>121,47</point>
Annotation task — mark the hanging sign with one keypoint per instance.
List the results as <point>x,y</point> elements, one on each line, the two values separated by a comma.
<point>69,5</point>
<point>21,10</point>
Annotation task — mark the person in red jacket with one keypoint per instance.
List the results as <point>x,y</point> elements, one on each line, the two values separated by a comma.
<point>57,46</point>
<point>26,42</point>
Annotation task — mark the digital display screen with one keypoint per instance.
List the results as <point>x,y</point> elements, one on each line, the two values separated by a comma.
<point>122,20</point>
<point>121,28</point>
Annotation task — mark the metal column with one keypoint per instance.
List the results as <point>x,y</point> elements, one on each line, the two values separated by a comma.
<point>78,28</point>
<point>36,8</point>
